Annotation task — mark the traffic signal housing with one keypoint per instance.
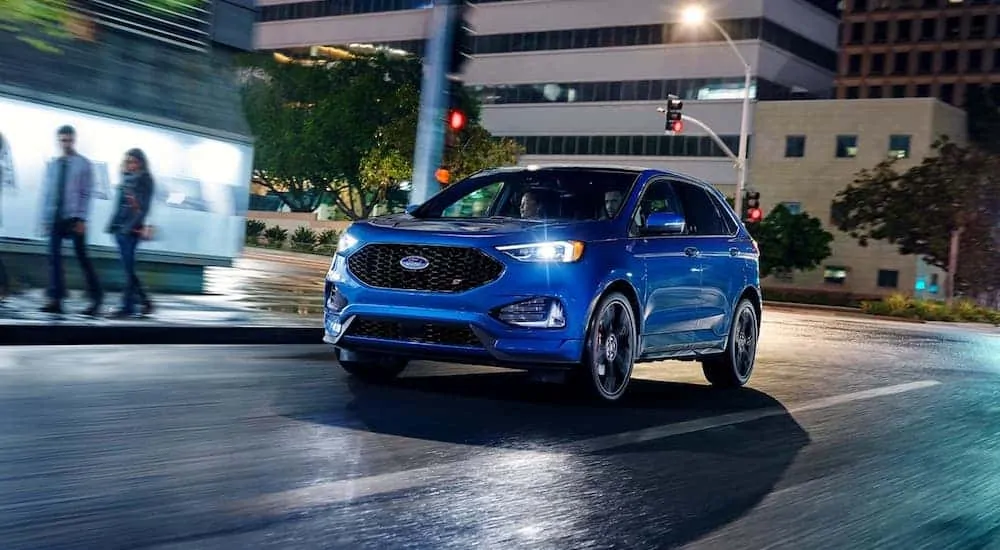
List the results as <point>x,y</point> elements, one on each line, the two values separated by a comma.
<point>461,41</point>
<point>752,213</point>
<point>675,118</point>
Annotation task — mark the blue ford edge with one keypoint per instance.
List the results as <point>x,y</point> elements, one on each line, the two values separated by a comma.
<point>580,269</point>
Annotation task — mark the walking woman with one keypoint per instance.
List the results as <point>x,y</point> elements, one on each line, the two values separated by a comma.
<point>135,196</point>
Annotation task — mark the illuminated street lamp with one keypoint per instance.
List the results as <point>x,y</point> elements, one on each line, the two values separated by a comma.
<point>695,16</point>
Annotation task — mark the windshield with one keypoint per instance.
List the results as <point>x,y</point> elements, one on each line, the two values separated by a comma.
<point>546,194</point>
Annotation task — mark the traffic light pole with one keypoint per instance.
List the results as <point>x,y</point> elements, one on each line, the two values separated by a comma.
<point>715,137</point>
<point>433,101</point>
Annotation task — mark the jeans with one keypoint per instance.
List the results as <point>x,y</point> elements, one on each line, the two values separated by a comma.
<point>62,230</point>
<point>133,288</point>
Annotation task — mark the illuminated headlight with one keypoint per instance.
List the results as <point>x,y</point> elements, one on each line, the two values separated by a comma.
<point>333,274</point>
<point>536,312</point>
<point>346,242</point>
<point>554,251</point>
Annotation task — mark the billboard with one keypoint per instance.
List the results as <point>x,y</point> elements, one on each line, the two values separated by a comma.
<point>202,184</point>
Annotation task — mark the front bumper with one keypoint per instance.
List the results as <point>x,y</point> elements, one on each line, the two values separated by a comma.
<point>459,327</point>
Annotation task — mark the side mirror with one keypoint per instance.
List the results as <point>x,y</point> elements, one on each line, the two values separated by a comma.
<point>412,208</point>
<point>664,223</point>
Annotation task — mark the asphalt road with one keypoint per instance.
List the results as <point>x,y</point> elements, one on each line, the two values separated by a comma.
<point>854,434</point>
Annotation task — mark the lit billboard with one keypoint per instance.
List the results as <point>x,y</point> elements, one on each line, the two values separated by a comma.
<point>202,184</point>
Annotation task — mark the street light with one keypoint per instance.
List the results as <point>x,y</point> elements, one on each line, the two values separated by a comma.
<point>695,16</point>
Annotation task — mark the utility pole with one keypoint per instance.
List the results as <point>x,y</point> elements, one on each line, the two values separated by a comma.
<point>434,99</point>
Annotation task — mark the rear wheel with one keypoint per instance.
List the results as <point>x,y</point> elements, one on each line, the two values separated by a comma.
<point>734,367</point>
<point>611,343</point>
<point>373,367</point>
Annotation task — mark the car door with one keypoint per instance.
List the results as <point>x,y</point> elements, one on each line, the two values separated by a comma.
<point>721,270</point>
<point>671,272</point>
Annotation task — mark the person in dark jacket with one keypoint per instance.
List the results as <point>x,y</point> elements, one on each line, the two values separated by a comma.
<point>135,196</point>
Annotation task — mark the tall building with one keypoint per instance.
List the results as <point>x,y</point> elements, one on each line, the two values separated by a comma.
<point>808,151</point>
<point>918,48</point>
<point>580,80</point>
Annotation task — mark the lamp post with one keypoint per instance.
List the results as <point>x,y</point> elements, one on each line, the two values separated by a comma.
<point>694,16</point>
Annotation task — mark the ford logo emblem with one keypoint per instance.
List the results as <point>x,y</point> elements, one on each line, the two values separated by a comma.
<point>414,263</point>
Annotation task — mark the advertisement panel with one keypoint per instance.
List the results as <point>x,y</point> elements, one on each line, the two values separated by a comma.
<point>202,184</point>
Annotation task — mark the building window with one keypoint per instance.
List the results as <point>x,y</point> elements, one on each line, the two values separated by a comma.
<point>974,63</point>
<point>847,147</point>
<point>793,207</point>
<point>888,278</point>
<point>923,90</point>
<point>925,63</point>
<point>977,27</point>
<point>854,65</point>
<point>875,92</point>
<point>795,146</point>
<point>853,92</point>
<point>901,63</point>
<point>899,90</point>
<point>876,64</point>
<point>903,30</point>
<point>880,34</point>
<point>928,30</point>
<point>899,146</point>
<point>835,274</point>
<point>949,62</point>
<point>857,33</point>
<point>693,89</point>
<point>948,93</point>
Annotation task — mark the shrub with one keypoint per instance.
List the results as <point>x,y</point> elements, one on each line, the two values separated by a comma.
<point>325,249</point>
<point>276,236</point>
<point>303,239</point>
<point>254,229</point>
<point>328,236</point>
<point>900,305</point>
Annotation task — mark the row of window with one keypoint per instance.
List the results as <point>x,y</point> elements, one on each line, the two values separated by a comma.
<point>859,6</point>
<point>332,8</point>
<point>927,29</point>
<point>947,92</point>
<point>946,62</point>
<point>643,35</point>
<point>837,275</point>
<point>649,146</point>
<point>701,89</point>
<point>847,146</point>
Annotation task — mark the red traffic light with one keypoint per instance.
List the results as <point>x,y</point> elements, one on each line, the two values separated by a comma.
<point>754,214</point>
<point>456,120</point>
<point>677,126</point>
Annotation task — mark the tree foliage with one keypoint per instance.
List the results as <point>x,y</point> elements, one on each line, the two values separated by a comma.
<point>791,242</point>
<point>345,130</point>
<point>956,188</point>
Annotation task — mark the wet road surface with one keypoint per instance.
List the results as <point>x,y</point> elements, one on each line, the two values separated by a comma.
<point>853,434</point>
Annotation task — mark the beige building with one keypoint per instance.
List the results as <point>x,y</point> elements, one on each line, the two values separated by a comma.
<point>804,152</point>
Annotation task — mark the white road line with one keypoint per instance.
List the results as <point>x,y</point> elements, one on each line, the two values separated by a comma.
<point>346,490</point>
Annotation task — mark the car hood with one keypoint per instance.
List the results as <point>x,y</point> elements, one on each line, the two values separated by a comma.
<point>404,228</point>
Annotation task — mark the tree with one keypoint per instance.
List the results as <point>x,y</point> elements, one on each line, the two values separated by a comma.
<point>951,197</point>
<point>345,130</point>
<point>791,242</point>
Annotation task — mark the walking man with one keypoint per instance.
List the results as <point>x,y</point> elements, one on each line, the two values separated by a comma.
<point>67,188</point>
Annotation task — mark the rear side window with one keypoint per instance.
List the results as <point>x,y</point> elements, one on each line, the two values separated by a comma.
<point>701,211</point>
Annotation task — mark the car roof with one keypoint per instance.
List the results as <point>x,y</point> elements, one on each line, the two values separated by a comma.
<point>636,170</point>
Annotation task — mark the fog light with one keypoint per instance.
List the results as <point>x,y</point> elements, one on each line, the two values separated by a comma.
<point>336,327</point>
<point>335,301</point>
<point>536,312</point>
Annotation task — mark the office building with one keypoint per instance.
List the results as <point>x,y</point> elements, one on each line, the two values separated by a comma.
<point>580,80</point>
<point>918,48</point>
<point>807,151</point>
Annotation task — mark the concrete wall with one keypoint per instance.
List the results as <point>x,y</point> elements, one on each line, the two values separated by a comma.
<point>813,181</point>
<point>293,220</point>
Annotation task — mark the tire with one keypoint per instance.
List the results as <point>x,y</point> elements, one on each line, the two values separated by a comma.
<point>608,362</point>
<point>376,368</point>
<point>733,368</point>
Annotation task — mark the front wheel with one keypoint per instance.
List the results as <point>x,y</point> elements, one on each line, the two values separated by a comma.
<point>734,367</point>
<point>374,367</point>
<point>611,345</point>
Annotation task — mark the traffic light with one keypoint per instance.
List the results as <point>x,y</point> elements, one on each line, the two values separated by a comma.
<point>456,120</point>
<point>462,40</point>
<point>674,122</point>
<point>751,205</point>
<point>442,175</point>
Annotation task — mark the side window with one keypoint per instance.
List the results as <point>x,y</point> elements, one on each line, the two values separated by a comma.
<point>658,196</point>
<point>701,213</point>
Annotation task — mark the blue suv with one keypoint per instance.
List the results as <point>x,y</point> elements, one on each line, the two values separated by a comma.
<point>586,270</point>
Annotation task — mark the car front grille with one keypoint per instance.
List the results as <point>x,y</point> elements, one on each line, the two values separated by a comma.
<point>448,268</point>
<point>447,334</point>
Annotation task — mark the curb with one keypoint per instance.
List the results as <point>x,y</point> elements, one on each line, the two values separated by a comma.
<point>118,335</point>
<point>834,310</point>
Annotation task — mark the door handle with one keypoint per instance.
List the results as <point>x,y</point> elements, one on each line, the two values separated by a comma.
<point>734,251</point>
<point>691,251</point>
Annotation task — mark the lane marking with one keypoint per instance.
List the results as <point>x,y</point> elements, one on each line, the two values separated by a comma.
<point>346,490</point>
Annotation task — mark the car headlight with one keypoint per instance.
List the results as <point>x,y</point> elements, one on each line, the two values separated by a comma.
<point>553,251</point>
<point>346,242</point>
